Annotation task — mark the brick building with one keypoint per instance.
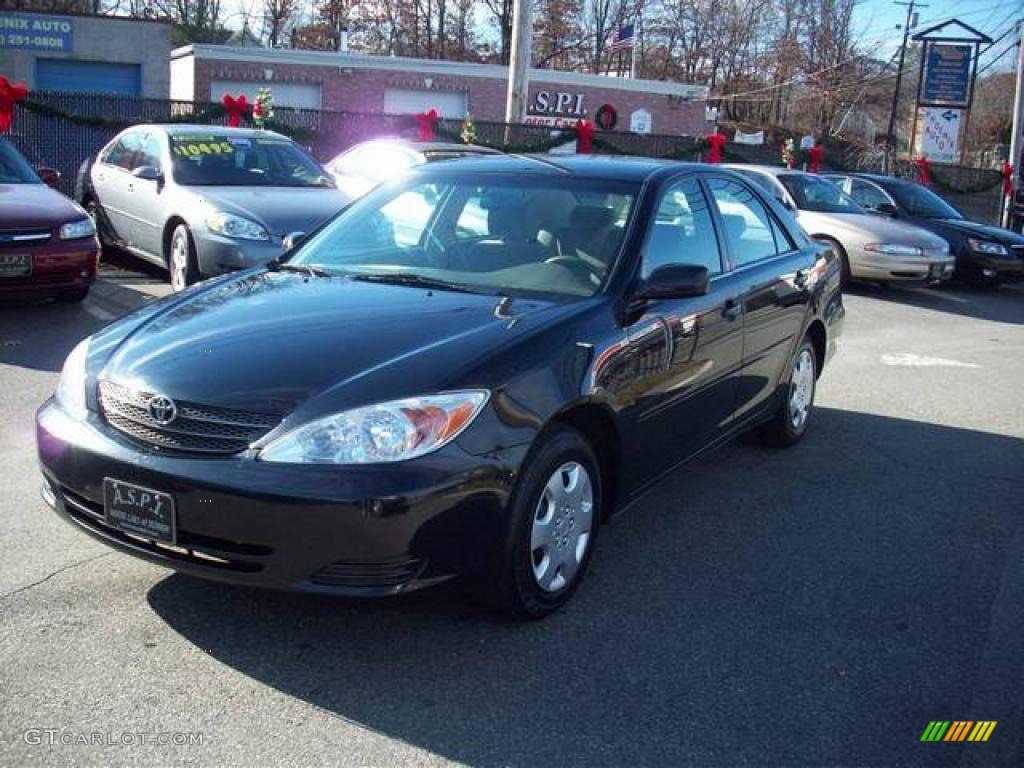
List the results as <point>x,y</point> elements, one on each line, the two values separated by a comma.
<point>357,82</point>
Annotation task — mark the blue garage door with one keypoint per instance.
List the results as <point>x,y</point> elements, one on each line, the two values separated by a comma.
<point>88,77</point>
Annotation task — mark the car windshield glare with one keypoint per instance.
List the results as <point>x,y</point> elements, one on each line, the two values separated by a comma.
<point>919,201</point>
<point>551,237</point>
<point>14,169</point>
<point>220,159</point>
<point>812,193</point>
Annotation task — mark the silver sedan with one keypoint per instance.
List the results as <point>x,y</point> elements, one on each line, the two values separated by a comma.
<point>201,199</point>
<point>872,248</point>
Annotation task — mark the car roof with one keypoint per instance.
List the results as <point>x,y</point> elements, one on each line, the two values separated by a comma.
<point>879,178</point>
<point>609,167</point>
<point>770,170</point>
<point>185,129</point>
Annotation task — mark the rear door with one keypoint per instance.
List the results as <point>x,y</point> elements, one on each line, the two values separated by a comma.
<point>111,178</point>
<point>774,278</point>
<point>682,355</point>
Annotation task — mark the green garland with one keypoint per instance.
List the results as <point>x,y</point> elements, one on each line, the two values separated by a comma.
<point>945,186</point>
<point>204,116</point>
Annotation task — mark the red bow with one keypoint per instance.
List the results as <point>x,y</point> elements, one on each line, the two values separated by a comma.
<point>584,136</point>
<point>425,122</point>
<point>814,155</point>
<point>716,142</point>
<point>923,170</point>
<point>236,108</point>
<point>1007,173</point>
<point>9,96</point>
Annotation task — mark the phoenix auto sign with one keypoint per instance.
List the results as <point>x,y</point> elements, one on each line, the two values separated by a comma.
<point>38,33</point>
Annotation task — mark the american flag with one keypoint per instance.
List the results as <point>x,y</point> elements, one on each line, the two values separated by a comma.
<point>623,38</point>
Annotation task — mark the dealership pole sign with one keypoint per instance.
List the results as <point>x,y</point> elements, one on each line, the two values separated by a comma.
<point>29,32</point>
<point>945,90</point>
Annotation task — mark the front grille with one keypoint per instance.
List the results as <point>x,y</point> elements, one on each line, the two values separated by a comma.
<point>191,547</point>
<point>369,575</point>
<point>195,429</point>
<point>22,238</point>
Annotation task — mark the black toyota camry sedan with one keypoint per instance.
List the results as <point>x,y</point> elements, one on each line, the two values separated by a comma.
<point>462,374</point>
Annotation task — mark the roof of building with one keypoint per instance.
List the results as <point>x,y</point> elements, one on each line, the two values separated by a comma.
<point>346,60</point>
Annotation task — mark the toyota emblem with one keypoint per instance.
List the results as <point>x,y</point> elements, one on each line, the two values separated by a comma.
<point>162,409</point>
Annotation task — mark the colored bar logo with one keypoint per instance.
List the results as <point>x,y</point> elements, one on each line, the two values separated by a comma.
<point>958,730</point>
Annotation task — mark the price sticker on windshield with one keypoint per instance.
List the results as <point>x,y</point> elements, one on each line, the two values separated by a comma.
<point>199,148</point>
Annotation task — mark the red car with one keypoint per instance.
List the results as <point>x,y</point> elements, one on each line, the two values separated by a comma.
<point>48,244</point>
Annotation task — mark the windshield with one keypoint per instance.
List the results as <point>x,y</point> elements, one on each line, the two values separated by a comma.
<point>812,193</point>
<point>14,169</point>
<point>214,159</point>
<point>555,238</point>
<point>919,201</point>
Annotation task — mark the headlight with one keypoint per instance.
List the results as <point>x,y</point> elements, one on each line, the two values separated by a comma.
<point>74,230</point>
<point>986,246</point>
<point>395,431</point>
<point>71,387</point>
<point>235,226</point>
<point>893,249</point>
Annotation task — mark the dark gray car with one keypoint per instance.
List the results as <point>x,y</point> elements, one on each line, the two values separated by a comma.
<point>202,200</point>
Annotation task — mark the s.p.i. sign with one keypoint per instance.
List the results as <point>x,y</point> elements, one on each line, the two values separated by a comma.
<point>36,33</point>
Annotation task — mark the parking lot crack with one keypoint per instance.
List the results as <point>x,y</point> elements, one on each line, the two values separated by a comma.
<point>49,576</point>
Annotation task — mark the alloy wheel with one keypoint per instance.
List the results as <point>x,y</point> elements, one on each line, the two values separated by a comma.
<point>801,389</point>
<point>562,524</point>
<point>179,262</point>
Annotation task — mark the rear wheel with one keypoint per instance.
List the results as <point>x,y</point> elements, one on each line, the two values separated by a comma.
<point>553,528</point>
<point>790,422</point>
<point>181,259</point>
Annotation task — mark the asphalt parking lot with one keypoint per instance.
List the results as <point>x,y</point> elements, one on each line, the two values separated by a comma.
<point>817,606</point>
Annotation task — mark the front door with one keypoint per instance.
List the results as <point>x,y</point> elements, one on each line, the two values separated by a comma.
<point>774,277</point>
<point>683,354</point>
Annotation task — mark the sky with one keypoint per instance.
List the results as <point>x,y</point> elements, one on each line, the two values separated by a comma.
<point>877,20</point>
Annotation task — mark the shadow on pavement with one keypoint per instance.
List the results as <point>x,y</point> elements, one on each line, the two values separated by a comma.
<point>812,606</point>
<point>53,328</point>
<point>1002,305</point>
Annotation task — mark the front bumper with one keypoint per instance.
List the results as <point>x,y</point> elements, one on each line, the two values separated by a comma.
<point>361,531</point>
<point>930,268</point>
<point>991,267</point>
<point>217,254</point>
<point>60,265</point>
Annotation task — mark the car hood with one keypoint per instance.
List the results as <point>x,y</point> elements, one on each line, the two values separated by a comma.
<point>271,341</point>
<point>34,206</point>
<point>280,210</point>
<point>977,229</point>
<point>869,228</point>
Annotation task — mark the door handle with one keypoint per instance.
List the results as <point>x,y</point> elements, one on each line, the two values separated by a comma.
<point>731,310</point>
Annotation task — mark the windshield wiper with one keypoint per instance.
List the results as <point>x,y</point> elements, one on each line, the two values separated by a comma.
<point>306,269</point>
<point>411,279</point>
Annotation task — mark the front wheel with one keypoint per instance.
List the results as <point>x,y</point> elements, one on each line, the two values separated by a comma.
<point>554,518</point>
<point>790,422</point>
<point>181,260</point>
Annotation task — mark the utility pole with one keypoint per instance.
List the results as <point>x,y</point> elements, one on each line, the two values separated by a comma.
<point>1017,130</point>
<point>519,63</point>
<point>890,139</point>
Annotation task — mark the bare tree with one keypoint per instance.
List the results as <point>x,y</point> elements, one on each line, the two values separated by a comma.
<point>278,18</point>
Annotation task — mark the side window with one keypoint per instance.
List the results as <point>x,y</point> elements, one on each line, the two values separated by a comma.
<point>150,152</point>
<point>126,152</point>
<point>783,242</point>
<point>867,194</point>
<point>113,153</point>
<point>472,223</point>
<point>748,227</point>
<point>682,232</point>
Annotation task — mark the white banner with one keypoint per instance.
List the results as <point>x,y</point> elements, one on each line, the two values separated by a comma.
<point>748,138</point>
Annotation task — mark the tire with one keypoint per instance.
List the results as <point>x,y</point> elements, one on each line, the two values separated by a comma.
<point>72,297</point>
<point>845,275</point>
<point>547,548</point>
<point>94,213</point>
<point>181,259</point>
<point>790,421</point>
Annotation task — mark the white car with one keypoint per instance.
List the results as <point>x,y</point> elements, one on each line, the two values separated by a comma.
<point>871,247</point>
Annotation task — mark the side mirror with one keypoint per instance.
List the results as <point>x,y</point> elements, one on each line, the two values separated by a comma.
<point>49,176</point>
<point>147,173</point>
<point>293,240</point>
<point>887,209</point>
<point>674,281</point>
